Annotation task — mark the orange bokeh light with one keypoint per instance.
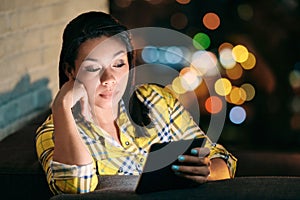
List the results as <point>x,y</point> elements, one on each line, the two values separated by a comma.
<point>213,104</point>
<point>211,21</point>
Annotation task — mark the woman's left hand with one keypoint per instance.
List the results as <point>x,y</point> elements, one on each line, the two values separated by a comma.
<point>195,166</point>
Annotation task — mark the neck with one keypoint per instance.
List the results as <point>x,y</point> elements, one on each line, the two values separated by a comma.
<point>106,119</point>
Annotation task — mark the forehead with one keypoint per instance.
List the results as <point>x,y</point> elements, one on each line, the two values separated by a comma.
<point>100,48</point>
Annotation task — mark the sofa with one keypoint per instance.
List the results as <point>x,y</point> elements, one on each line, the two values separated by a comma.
<point>23,178</point>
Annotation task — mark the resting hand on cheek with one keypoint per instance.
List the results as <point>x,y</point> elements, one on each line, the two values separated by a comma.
<point>70,93</point>
<point>199,167</point>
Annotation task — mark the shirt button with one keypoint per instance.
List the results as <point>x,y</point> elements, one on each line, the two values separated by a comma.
<point>127,143</point>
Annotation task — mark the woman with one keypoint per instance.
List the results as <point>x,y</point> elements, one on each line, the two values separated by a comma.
<point>92,131</point>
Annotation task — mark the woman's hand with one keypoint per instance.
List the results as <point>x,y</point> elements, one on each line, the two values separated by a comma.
<point>70,93</point>
<point>195,166</point>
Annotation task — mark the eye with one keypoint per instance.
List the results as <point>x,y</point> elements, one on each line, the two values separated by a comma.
<point>92,68</point>
<point>119,63</point>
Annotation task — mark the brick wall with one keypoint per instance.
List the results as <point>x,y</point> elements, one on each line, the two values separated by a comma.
<point>30,42</point>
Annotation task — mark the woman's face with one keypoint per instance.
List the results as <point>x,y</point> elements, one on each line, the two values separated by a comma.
<point>102,67</point>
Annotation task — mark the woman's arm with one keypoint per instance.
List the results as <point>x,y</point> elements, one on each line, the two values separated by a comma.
<point>69,147</point>
<point>61,151</point>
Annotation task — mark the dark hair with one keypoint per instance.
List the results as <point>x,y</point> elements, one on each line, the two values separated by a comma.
<point>86,26</point>
<point>95,24</point>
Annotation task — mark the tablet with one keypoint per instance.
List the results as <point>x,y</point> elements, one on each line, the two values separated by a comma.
<point>157,174</point>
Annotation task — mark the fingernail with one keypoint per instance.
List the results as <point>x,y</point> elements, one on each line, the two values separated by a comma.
<point>175,167</point>
<point>194,152</point>
<point>181,158</point>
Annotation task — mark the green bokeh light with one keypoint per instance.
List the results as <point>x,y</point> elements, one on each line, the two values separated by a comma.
<point>201,41</point>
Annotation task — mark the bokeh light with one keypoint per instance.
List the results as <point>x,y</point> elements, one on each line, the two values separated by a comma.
<point>150,54</point>
<point>250,62</point>
<point>226,58</point>
<point>177,85</point>
<point>237,95</point>
<point>240,53</point>
<point>201,41</point>
<point>213,104</point>
<point>245,12</point>
<point>235,73</point>
<point>296,105</point>
<point>225,45</point>
<point>211,21</point>
<point>223,86</point>
<point>123,3</point>
<point>173,55</point>
<point>250,91</point>
<point>237,115</point>
<point>203,62</point>
<point>294,123</point>
<point>189,79</point>
<point>183,1</point>
<point>294,78</point>
<point>179,20</point>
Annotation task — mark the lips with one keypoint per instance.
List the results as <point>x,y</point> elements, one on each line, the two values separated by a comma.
<point>106,95</point>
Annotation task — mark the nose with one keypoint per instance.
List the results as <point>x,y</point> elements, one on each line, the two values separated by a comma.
<point>107,78</point>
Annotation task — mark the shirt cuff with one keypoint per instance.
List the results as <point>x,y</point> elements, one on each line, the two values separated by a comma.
<point>65,171</point>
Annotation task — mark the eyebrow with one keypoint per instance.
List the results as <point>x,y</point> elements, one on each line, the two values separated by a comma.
<point>114,55</point>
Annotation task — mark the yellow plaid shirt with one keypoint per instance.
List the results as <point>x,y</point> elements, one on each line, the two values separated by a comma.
<point>170,120</point>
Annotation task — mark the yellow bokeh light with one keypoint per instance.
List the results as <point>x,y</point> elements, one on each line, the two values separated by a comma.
<point>250,62</point>
<point>211,21</point>
<point>223,86</point>
<point>235,73</point>
<point>250,91</point>
<point>177,86</point>
<point>240,53</point>
<point>237,95</point>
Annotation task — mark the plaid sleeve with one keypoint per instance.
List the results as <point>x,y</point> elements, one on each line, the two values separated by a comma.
<point>73,178</point>
<point>60,177</point>
<point>185,126</point>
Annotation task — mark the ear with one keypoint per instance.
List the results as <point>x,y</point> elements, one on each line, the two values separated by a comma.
<point>69,71</point>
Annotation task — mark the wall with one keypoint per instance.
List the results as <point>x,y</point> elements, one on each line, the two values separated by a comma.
<point>30,42</point>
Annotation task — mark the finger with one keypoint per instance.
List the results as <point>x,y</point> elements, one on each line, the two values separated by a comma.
<point>194,160</point>
<point>193,170</point>
<point>200,152</point>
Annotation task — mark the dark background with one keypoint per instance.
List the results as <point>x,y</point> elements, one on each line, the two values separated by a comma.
<point>272,33</point>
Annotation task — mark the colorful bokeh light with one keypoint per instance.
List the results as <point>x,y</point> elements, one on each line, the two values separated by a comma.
<point>226,58</point>
<point>250,62</point>
<point>240,53</point>
<point>213,104</point>
<point>204,62</point>
<point>223,86</point>
<point>235,73</point>
<point>250,91</point>
<point>211,21</point>
<point>237,115</point>
<point>201,41</point>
